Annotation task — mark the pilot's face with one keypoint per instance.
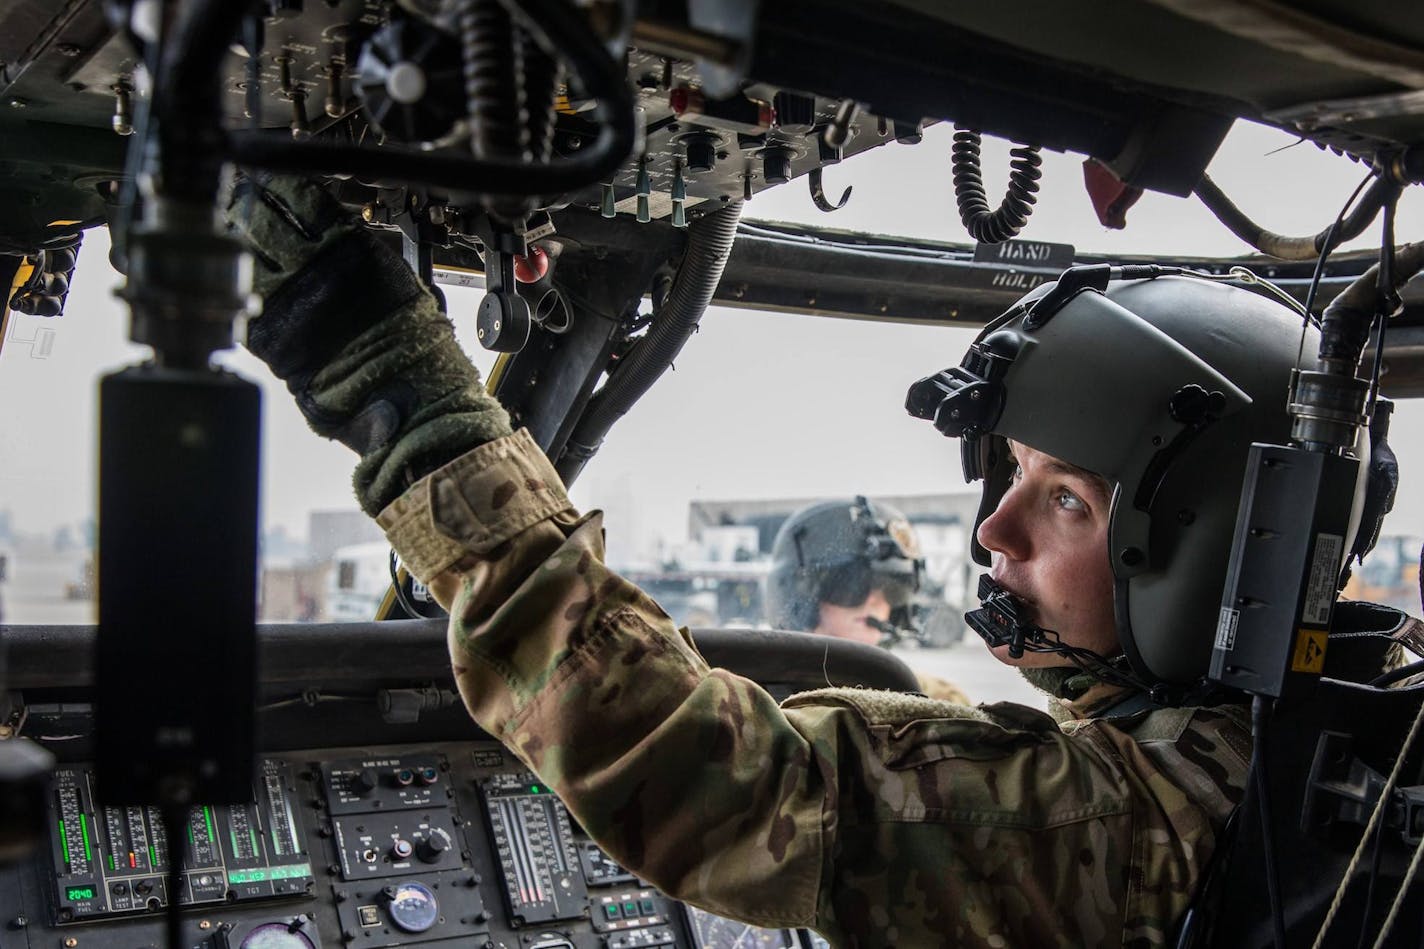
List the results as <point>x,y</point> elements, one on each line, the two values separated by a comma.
<point>849,622</point>
<point>1049,540</point>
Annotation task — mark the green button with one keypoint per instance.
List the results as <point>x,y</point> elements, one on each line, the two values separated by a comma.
<point>630,909</point>
<point>611,910</point>
<point>646,906</point>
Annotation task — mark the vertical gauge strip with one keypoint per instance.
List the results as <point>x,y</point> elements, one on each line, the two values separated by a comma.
<point>116,839</point>
<point>139,855</point>
<point>279,812</point>
<point>158,847</point>
<point>73,827</point>
<point>535,849</point>
<point>202,849</point>
<point>242,835</point>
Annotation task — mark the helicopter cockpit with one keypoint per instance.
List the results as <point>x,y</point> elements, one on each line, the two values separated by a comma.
<point>581,183</point>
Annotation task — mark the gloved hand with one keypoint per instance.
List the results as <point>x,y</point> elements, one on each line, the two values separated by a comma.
<point>359,341</point>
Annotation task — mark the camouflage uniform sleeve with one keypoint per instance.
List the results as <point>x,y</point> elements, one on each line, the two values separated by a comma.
<point>877,819</point>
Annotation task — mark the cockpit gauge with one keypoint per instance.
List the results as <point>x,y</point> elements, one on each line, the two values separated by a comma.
<point>412,906</point>
<point>276,936</point>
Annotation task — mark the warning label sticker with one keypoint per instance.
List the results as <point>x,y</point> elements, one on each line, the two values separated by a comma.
<point>1309,653</point>
<point>1226,628</point>
<point>1324,572</point>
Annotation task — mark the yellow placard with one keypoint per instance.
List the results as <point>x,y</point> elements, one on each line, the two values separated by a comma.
<point>1309,651</point>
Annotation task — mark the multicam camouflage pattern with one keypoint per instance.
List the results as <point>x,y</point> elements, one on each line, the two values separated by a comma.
<point>876,820</point>
<point>942,689</point>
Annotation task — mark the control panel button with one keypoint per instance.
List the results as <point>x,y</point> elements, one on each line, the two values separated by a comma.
<point>364,781</point>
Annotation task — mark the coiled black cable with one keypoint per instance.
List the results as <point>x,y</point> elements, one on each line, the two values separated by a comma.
<point>997,226</point>
<point>494,92</point>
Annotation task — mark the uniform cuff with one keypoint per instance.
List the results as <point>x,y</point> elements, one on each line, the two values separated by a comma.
<point>480,500</point>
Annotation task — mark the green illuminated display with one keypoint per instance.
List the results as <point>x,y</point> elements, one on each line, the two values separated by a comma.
<point>84,832</point>
<point>77,893</point>
<point>259,874</point>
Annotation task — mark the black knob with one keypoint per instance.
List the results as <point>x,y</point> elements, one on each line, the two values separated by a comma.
<point>363,781</point>
<point>776,165</point>
<point>794,111</point>
<point>409,80</point>
<point>432,848</point>
<point>701,155</point>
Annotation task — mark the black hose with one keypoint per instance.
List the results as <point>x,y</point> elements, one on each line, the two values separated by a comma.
<point>1295,248</point>
<point>494,94</point>
<point>997,226</point>
<point>541,86</point>
<point>187,106</point>
<point>1345,324</point>
<point>709,245</point>
<point>561,30</point>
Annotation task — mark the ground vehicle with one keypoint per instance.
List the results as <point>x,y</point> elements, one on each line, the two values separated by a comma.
<point>550,381</point>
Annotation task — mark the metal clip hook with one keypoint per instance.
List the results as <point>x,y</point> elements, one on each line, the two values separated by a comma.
<point>818,193</point>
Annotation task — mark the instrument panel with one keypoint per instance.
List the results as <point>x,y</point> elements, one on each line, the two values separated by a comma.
<point>449,842</point>
<point>379,815</point>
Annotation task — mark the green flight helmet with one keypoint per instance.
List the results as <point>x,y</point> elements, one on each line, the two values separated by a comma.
<point>1160,385</point>
<point>837,552</point>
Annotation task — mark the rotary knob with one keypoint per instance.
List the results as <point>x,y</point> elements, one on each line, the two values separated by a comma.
<point>776,164</point>
<point>432,848</point>
<point>363,782</point>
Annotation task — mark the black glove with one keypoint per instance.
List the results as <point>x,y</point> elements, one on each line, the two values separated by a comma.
<point>359,341</point>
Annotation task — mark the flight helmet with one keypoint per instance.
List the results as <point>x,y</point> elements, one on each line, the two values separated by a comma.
<point>1159,385</point>
<point>837,552</point>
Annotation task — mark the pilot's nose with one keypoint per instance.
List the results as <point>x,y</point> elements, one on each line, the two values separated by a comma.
<point>1005,531</point>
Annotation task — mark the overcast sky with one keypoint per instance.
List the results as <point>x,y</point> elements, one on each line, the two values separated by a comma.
<point>760,405</point>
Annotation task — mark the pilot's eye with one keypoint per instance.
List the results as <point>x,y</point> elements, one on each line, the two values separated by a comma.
<point>1069,501</point>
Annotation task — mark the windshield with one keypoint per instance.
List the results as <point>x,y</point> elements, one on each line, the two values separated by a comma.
<point>765,412</point>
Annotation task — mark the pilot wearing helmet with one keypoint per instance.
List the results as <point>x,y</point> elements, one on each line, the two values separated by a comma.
<point>851,569</point>
<point>1110,425</point>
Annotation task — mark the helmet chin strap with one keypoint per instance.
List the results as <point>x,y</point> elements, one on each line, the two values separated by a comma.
<point>1002,620</point>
